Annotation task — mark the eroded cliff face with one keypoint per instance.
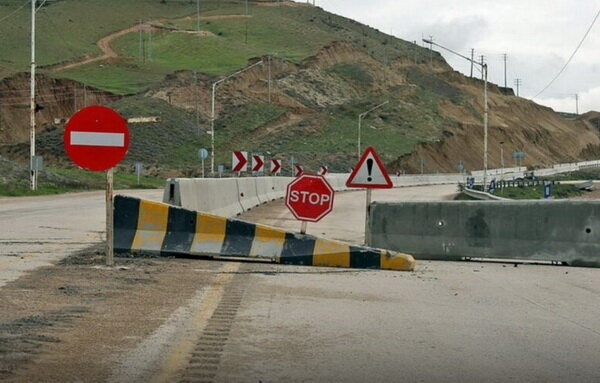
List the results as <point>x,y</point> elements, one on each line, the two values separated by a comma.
<point>59,98</point>
<point>438,108</point>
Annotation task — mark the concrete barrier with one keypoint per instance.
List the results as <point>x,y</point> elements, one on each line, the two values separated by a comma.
<point>561,231</point>
<point>247,193</point>
<point>263,189</point>
<point>148,227</point>
<point>212,195</point>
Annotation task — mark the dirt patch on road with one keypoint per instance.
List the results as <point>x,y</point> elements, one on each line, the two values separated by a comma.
<point>72,321</point>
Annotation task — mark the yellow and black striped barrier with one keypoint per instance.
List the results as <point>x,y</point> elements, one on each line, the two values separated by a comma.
<point>143,226</point>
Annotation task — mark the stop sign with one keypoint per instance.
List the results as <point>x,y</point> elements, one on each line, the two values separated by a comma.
<point>309,198</point>
<point>96,138</point>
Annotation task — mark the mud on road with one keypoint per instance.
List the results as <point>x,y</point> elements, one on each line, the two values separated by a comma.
<point>72,321</point>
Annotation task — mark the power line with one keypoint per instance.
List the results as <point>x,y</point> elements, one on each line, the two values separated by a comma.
<point>570,58</point>
<point>15,11</point>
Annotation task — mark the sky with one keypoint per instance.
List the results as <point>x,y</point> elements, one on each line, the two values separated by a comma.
<point>538,37</point>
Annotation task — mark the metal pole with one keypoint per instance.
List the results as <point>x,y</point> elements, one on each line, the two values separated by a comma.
<point>359,123</point>
<point>505,86</point>
<point>367,218</point>
<point>576,103</point>
<point>198,16</point>
<point>303,226</point>
<point>33,172</point>
<point>212,131</point>
<point>472,58</point>
<point>502,160</point>
<point>109,218</point>
<point>212,118</point>
<point>203,168</point>
<point>197,102</point>
<point>485,124</point>
<point>149,40</point>
<point>269,70</point>
<point>140,40</point>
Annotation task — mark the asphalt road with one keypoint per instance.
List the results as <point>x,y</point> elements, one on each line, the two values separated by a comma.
<point>37,231</point>
<point>446,321</point>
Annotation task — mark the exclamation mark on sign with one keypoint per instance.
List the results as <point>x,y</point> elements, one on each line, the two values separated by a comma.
<point>369,169</point>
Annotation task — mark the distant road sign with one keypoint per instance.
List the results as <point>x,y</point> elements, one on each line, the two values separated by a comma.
<point>369,172</point>
<point>203,154</point>
<point>275,166</point>
<point>96,138</point>
<point>323,170</point>
<point>309,198</point>
<point>298,170</point>
<point>239,161</point>
<point>258,163</point>
<point>547,191</point>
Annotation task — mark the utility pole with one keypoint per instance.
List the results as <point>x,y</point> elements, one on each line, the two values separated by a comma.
<point>472,60</point>
<point>431,52</point>
<point>246,37</point>
<point>141,37</point>
<point>269,81</point>
<point>518,83</point>
<point>84,95</point>
<point>481,58</point>
<point>32,171</point>
<point>197,102</point>
<point>149,41</point>
<point>504,56</point>
<point>576,103</point>
<point>198,17</point>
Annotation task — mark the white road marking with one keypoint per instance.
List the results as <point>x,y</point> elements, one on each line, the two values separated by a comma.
<point>97,139</point>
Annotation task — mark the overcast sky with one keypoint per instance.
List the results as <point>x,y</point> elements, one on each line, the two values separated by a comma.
<point>538,36</point>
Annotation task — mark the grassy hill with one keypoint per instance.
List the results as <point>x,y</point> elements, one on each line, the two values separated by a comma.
<point>325,71</point>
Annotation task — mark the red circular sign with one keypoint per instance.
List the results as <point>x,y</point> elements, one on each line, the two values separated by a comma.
<point>96,138</point>
<point>309,198</point>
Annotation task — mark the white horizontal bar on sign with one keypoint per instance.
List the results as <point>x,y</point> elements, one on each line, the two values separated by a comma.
<point>97,139</point>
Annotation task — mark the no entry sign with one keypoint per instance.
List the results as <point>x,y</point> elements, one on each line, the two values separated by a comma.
<point>96,138</point>
<point>309,198</point>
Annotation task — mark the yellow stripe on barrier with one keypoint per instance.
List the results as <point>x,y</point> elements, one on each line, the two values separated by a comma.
<point>396,261</point>
<point>152,226</point>
<point>268,242</point>
<point>210,234</point>
<point>331,253</point>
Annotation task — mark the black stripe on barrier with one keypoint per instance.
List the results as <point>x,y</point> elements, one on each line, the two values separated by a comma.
<point>297,250</point>
<point>239,236</point>
<point>181,228</point>
<point>126,213</point>
<point>361,258</point>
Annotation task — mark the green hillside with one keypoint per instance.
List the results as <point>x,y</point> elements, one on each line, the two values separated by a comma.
<point>69,30</point>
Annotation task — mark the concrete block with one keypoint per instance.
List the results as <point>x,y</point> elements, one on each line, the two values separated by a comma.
<point>561,231</point>
<point>156,228</point>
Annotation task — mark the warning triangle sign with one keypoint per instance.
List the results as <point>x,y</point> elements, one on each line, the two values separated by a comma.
<point>369,172</point>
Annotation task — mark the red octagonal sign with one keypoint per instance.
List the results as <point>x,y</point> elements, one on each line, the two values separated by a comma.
<point>96,138</point>
<point>309,198</point>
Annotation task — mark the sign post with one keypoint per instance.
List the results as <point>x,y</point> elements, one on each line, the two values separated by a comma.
<point>369,173</point>
<point>309,198</point>
<point>139,168</point>
<point>97,138</point>
<point>202,154</point>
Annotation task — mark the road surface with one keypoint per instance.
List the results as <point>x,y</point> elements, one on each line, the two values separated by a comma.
<point>192,320</point>
<point>39,230</point>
